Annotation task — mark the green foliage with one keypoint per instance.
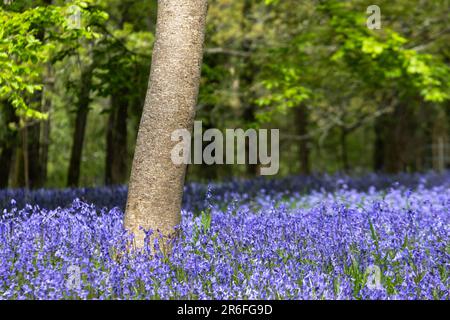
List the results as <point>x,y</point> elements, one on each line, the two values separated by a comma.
<point>382,59</point>
<point>120,56</point>
<point>33,37</point>
<point>265,60</point>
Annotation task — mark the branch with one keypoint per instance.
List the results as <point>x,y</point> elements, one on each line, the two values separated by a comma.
<point>226,51</point>
<point>430,41</point>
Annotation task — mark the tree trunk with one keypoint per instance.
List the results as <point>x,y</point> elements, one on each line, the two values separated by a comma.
<point>32,132</point>
<point>400,139</point>
<point>116,166</point>
<point>156,183</point>
<point>80,128</point>
<point>344,151</point>
<point>45,144</point>
<point>34,167</point>
<point>26,157</point>
<point>253,169</point>
<point>204,171</point>
<point>397,139</point>
<point>301,117</point>
<point>116,159</point>
<point>6,157</point>
<point>379,143</point>
<point>18,172</point>
<point>7,145</point>
<point>45,134</point>
<point>248,73</point>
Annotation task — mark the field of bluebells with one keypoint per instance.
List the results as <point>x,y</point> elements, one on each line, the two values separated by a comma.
<point>317,237</point>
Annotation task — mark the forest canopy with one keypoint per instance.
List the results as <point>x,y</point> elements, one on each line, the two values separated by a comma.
<point>73,79</point>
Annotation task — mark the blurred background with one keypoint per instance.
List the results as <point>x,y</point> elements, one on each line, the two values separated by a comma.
<point>73,78</point>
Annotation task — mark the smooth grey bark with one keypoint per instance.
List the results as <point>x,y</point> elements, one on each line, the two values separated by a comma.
<point>156,183</point>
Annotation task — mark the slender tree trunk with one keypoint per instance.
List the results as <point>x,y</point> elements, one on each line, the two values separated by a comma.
<point>439,141</point>
<point>204,171</point>
<point>26,157</point>
<point>44,151</point>
<point>32,133</point>
<point>7,145</point>
<point>253,170</point>
<point>156,183</point>
<point>379,143</point>
<point>45,134</point>
<point>18,172</point>
<point>6,157</point>
<point>399,137</point>
<point>116,167</point>
<point>80,128</point>
<point>248,73</point>
<point>34,167</point>
<point>301,117</point>
<point>344,151</point>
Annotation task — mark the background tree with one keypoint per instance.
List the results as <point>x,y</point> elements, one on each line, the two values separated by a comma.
<point>345,98</point>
